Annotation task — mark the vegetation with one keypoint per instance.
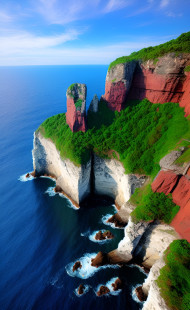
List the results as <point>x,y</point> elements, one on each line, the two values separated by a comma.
<point>174,279</point>
<point>141,134</point>
<point>181,44</point>
<point>78,103</point>
<point>187,69</point>
<point>154,206</point>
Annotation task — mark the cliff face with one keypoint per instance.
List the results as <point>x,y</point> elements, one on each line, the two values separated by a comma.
<point>176,180</point>
<point>76,107</point>
<point>118,83</point>
<point>74,181</point>
<point>108,174</point>
<point>160,82</point>
<point>110,179</point>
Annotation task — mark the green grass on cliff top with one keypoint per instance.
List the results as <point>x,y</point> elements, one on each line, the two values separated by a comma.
<point>141,135</point>
<point>174,279</point>
<point>179,45</point>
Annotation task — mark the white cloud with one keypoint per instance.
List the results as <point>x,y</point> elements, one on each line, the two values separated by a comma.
<point>114,5</point>
<point>5,17</point>
<point>30,50</point>
<point>164,3</point>
<point>22,41</point>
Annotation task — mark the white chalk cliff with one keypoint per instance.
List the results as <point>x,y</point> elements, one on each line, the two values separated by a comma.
<point>74,181</point>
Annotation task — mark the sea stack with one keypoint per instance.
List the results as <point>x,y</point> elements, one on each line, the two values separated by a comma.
<point>76,107</point>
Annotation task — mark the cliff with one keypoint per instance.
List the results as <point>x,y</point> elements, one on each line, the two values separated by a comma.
<point>76,107</point>
<point>73,180</point>
<point>160,81</point>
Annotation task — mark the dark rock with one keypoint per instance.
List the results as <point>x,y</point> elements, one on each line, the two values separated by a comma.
<point>103,290</point>
<point>100,260</point>
<point>140,294</point>
<point>27,175</point>
<point>117,285</point>
<point>58,189</point>
<point>77,265</point>
<point>33,174</point>
<point>81,289</point>
<point>102,236</point>
<point>117,221</point>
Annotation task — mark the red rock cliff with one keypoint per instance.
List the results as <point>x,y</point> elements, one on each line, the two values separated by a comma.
<point>76,107</point>
<point>163,81</point>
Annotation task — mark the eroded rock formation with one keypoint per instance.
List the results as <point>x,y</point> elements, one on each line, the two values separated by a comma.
<point>76,107</point>
<point>160,81</point>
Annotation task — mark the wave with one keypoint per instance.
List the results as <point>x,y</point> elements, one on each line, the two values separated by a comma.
<point>50,191</point>
<point>109,285</point>
<point>86,271</point>
<point>23,178</point>
<point>104,221</point>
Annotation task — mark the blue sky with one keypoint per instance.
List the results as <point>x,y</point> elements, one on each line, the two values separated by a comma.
<point>53,32</point>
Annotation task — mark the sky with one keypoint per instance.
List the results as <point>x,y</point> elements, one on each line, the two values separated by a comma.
<point>69,32</point>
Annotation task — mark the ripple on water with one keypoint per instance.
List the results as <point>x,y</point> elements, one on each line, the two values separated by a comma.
<point>50,191</point>
<point>86,271</point>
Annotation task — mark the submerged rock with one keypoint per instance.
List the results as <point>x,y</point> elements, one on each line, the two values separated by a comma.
<point>100,260</point>
<point>77,265</point>
<point>103,290</point>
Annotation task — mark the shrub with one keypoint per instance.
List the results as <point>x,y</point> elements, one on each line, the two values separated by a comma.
<point>155,206</point>
<point>174,279</point>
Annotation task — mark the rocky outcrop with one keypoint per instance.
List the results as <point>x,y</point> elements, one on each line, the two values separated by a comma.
<point>81,289</point>
<point>164,182</point>
<point>163,81</point>
<point>100,260</point>
<point>118,83</point>
<point>150,288</point>
<point>94,104</point>
<point>160,81</point>
<point>73,180</point>
<point>133,234</point>
<point>103,290</point>
<point>153,243</point>
<point>117,221</point>
<point>76,107</point>
<point>117,285</point>
<point>104,235</point>
<point>110,179</point>
<point>77,266</point>
<point>181,222</point>
<point>181,194</point>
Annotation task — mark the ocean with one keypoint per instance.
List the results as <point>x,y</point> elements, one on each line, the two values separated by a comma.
<point>42,234</point>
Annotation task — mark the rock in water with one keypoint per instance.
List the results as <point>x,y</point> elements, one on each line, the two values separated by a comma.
<point>27,175</point>
<point>103,290</point>
<point>81,289</point>
<point>103,236</point>
<point>76,107</point>
<point>77,265</point>
<point>117,221</point>
<point>94,104</point>
<point>117,285</point>
<point>100,260</point>
<point>140,294</point>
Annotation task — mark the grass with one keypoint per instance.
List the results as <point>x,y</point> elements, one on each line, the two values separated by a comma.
<point>78,103</point>
<point>152,206</point>
<point>174,279</point>
<point>179,45</point>
<point>187,69</point>
<point>141,134</point>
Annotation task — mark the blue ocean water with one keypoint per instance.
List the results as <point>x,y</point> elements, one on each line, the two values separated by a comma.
<point>41,235</point>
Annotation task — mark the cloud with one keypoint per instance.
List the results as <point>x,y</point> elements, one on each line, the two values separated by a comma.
<point>172,14</point>
<point>164,3</point>
<point>5,17</point>
<point>26,49</point>
<point>114,5</point>
<point>22,41</point>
